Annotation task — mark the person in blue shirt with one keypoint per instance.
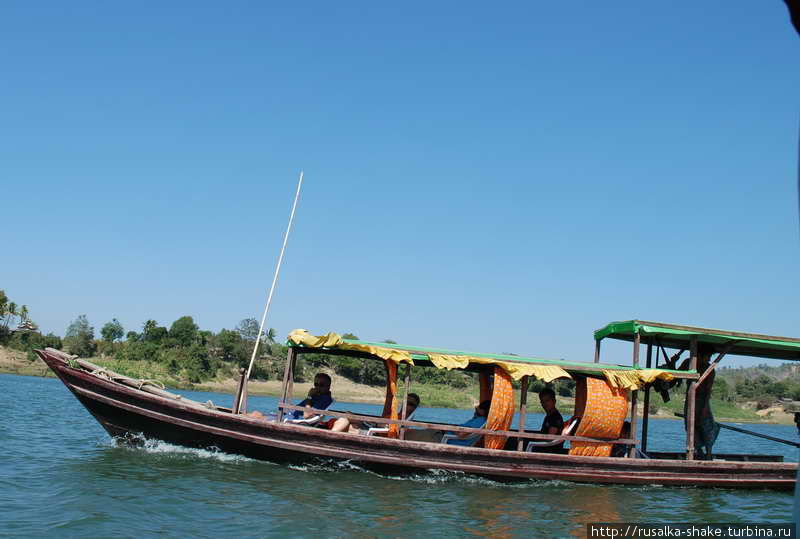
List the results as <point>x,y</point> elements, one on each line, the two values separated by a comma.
<point>319,397</point>
<point>477,422</point>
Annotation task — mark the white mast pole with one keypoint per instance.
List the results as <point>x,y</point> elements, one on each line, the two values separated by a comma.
<point>274,281</point>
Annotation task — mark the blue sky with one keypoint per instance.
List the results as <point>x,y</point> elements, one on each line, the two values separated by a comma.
<point>501,178</point>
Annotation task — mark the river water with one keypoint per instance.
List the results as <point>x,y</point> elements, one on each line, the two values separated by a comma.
<point>62,475</point>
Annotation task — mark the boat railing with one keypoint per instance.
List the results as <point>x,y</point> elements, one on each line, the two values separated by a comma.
<point>456,428</point>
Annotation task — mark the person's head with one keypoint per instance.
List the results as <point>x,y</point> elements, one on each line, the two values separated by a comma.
<point>482,409</point>
<point>322,383</point>
<point>626,430</point>
<point>547,398</point>
<point>412,403</point>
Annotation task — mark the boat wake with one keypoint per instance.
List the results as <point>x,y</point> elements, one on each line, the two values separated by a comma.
<point>428,477</point>
<point>440,477</point>
<point>153,446</point>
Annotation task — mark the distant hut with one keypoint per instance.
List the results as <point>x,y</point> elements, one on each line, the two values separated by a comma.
<point>26,326</point>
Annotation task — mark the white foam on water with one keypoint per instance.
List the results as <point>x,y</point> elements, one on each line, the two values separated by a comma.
<point>327,466</point>
<point>159,447</point>
<point>428,477</point>
<point>440,477</point>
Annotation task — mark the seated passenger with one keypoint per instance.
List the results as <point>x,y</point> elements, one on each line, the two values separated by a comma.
<point>319,397</point>
<point>343,424</point>
<point>553,423</point>
<point>478,421</point>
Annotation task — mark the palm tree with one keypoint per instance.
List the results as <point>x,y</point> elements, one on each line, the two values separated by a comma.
<point>23,314</point>
<point>3,304</point>
<point>271,334</point>
<point>12,312</point>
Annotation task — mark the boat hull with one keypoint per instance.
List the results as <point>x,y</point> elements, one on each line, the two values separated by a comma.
<point>129,412</point>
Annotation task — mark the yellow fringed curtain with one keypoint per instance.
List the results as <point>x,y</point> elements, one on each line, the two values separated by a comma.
<point>634,380</point>
<point>333,340</point>
<point>546,373</point>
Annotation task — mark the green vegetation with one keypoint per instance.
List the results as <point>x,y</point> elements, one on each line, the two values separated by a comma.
<point>112,331</point>
<point>723,409</point>
<point>441,396</point>
<point>146,370</point>
<point>759,383</point>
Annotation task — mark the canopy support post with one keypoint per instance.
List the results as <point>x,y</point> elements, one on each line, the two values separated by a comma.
<point>402,433</point>
<point>240,403</point>
<point>646,412</point>
<point>637,340</point>
<point>288,376</point>
<point>523,403</point>
<point>690,402</point>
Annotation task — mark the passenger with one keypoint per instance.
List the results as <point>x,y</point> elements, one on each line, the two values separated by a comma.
<point>343,424</point>
<point>706,429</point>
<point>319,397</point>
<point>553,422</point>
<point>478,421</point>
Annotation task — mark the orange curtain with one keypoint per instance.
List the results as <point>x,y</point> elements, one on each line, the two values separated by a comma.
<point>390,404</point>
<point>502,412</point>
<point>603,410</point>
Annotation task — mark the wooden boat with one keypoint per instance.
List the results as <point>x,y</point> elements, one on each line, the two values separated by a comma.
<point>132,408</point>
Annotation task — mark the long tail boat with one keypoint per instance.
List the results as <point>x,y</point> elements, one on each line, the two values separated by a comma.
<point>606,396</point>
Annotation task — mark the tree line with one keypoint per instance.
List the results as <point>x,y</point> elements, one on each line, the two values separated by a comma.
<point>198,355</point>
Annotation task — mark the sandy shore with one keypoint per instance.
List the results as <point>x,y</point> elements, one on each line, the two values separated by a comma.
<point>16,362</point>
<point>342,388</point>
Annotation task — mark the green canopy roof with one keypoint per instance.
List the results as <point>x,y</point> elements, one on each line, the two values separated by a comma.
<point>674,336</point>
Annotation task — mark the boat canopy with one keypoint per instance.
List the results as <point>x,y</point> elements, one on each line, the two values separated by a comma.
<point>546,370</point>
<point>680,337</point>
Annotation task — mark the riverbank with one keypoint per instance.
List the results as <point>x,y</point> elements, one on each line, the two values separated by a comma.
<point>345,390</point>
